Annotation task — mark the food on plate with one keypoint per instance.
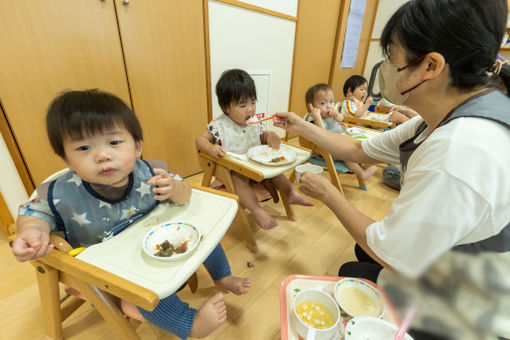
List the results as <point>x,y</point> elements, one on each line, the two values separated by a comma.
<point>278,159</point>
<point>166,249</point>
<point>356,302</point>
<point>315,315</point>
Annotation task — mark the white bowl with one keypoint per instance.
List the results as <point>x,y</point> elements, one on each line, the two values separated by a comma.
<point>358,298</point>
<point>318,296</point>
<point>369,327</point>
<point>177,234</point>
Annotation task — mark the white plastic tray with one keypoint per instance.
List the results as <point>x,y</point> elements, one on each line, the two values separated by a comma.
<point>123,255</point>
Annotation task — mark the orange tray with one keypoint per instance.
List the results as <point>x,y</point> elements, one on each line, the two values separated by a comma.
<point>292,284</point>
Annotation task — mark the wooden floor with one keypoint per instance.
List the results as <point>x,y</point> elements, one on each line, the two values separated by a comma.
<point>316,244</point>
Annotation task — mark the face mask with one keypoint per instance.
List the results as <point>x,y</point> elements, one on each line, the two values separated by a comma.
<point>388,78</point>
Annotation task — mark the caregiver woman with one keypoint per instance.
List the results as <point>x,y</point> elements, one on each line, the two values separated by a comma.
<point>446,240</point>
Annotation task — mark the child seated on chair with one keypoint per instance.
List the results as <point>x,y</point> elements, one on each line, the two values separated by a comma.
<point>99,137</point>
<point>237,98</point>
<point>355,91</point>
<point>320,101</point>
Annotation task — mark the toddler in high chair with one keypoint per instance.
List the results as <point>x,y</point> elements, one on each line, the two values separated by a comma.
<point>355,91</point>
<point>320,101</point>
<point>99,137</point>
<point>230,132</point>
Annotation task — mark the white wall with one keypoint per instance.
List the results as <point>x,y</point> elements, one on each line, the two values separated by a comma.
<point>11,187</point>
<point>288,7</point>
<point>256,43</point>
<point>385,10</point>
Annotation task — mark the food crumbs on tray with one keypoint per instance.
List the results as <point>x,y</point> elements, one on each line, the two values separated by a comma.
<point>249,264</point>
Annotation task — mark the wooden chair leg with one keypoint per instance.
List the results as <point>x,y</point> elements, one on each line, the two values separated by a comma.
<point>333,174</point>
<point>225,177</point>
<point>193,282</point>
<point>288,209</point>
<point>292,177</point>
<point>208,174</point>
<point>107,307</point>
<point>47,279</point>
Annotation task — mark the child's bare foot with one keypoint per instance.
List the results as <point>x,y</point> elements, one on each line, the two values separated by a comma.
<point>295,198</point>
<point>368,172</point>
<point>263,219</point>
<point>209,317</point>
<point>234,284</point>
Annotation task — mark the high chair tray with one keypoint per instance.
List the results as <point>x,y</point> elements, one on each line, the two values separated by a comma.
<point>272,171</point>
<point>123,254</point>
<point>292,284</point>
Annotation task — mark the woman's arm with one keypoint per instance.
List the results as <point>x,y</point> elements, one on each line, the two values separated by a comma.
<point>340,146</point>
<point>354,221</point>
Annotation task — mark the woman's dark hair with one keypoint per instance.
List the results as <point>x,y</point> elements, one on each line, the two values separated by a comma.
<point>310,93</point>
<point>502,80</point>
<point>74,114</point>
<point>467,33</point>
<point>353,82</point>
<point>234,86</point>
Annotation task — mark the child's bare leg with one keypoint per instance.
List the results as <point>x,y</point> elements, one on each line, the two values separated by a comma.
<point>209,317</point>
<point>284,185</point>
<point>234,284</point>
<point>249,201</point>
<point>364,174</point>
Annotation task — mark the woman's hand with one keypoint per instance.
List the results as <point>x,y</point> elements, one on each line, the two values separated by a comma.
<point>288,121</point>
<point>316,186</point>
<point>272,139</point>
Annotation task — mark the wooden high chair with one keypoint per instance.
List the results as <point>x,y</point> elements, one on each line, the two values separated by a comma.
<point>100,287</point>
<point>330,163</point>
<point>220,168</point>
<point>368,122</point>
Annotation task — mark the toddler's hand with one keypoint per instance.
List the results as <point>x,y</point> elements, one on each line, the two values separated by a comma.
<point>273,140</point>
<point>165,184</point>
<point>30,244</point>
<point>217,151</point>
<point>314,112</point>
<point>337,116</point>
<point>369,101</point>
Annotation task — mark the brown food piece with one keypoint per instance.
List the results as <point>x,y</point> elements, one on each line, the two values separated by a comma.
<point>249,264</point>
<point>278,159</point>
<point>166,249</point>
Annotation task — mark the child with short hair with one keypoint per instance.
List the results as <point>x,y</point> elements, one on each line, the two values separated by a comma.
<point>355,91</point>
<point>320,101</point>
<point>99,138</point>
<point>237,98</point>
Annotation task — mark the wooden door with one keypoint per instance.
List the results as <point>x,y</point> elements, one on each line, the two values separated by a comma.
<point>164,51</point>
<point>49,46</point>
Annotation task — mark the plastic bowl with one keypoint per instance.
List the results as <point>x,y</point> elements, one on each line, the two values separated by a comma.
<point>177,234</point>
<point>369,327</point>
<point>358,298</point>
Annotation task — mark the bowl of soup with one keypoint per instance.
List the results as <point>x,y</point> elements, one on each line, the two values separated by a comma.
<point>358,298</point>
<point>316,315</point>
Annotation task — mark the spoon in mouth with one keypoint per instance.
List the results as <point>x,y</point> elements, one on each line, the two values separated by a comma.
<point>260,121</point>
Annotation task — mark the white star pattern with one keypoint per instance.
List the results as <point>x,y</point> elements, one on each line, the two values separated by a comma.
<point>144,189</point>
<point>75,179</point>
<point>127,213</point>
<point>56,200</point>
<point>80,219</point>
<point>104,204</point>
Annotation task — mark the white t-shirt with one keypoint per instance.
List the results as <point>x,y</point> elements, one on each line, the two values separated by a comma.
<point>455,191</point>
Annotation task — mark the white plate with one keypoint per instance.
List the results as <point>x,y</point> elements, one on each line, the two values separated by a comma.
<point>369,327</point>
<point>353,132</point>
<point>377,117</point>
<point>359,289</point>
<point>176,233</point>
<point>264,154</point>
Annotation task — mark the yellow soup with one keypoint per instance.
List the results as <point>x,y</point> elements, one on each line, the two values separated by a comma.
<point>315,315</point>
<point>356,302</point>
